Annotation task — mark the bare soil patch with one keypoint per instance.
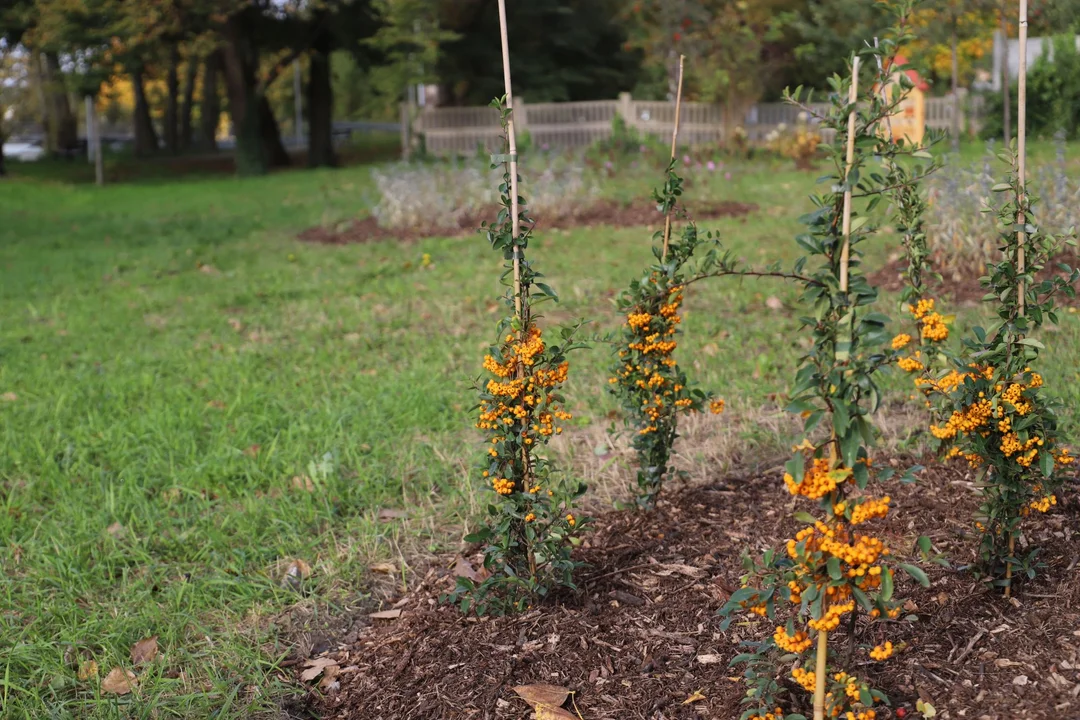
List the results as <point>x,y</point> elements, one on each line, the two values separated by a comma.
<point>602,212</point>
<point>963,289</point>
<point>642,637</point>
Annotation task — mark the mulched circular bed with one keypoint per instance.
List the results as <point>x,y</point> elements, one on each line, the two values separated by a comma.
<point>602,212</point>
<point>642,638</point>
<point>961,289</point>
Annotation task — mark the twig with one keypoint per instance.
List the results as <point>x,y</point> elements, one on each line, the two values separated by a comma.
<point>970,646</point>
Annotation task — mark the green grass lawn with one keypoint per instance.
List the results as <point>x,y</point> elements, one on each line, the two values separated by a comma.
<point>191,399</point>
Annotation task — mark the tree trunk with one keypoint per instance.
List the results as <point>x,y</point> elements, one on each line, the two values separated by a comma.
<point>65,126</point>
<point>191,72</point>
<point>1005,102</point>
<point>955,130</point>
<point>146,141</point>
<point>320,112</point>
<point>258,140</point>
<point>37,78</point>
<point>172,102</point>
<point>210,103</point>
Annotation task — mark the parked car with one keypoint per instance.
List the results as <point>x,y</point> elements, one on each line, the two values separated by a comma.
<point>23,151</point>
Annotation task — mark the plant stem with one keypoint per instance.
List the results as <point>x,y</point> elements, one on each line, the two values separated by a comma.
<point>674,141</point>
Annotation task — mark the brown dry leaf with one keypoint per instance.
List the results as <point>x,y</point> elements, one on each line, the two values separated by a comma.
<point>208,269</point>
<point>711,349</point>
<point>696,697</point>
<point>296,571</point>
<point>391,514</point>
<point>252,451</point>
<point>708,659</point>
<point>216,404</point>
<point>546,712</point>
<point>774,303</point>
<point>316,667</point>
<point>235,324</point>
<point>119,682</point>
<point>87,670</point>
<point>463,568</point>
<point>144,651</point>
<point>9,397</point>
<point>542,694</point>
<point>303,482</point>
<point>116,529</point>
<point>385,615</point>
<point>387,568</point>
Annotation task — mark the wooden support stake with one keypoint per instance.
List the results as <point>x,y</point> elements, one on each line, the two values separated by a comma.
<point>1021,219</point>
<point>845,253</point>
<point>674,141</point>
<point>512,141</point>
<point>819,675</point>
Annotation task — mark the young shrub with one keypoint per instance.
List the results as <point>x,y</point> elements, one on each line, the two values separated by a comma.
<point>646,378</point>
<point>532,523</point>
<point>998,415</point>
<point>833,567</point>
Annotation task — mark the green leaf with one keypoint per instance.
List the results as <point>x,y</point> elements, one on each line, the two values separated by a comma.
<point>833,564</point>
<point>805,517</point>
<point>916,573</point>
<point>886,584</point>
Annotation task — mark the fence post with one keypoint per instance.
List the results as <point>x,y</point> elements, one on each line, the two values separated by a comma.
<point>625,109</point>
<point>404,120</point>
<point>521,115</point>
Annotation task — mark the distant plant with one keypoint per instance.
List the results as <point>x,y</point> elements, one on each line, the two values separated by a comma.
<point>532,522</point>
<point>1053,95</point>
<point>441,195</point>
<point>799,143</point>
<point>962,234</point>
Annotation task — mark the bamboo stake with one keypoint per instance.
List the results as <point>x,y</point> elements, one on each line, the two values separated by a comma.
<point>845,253</point>
<point>1021,219</point>
<point>512,141</point>
<point>845,257</point>
<point>674,141</point>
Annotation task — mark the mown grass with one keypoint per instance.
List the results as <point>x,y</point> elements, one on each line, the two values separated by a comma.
<point>192,399</point>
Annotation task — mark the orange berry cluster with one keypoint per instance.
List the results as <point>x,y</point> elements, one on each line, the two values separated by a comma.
<point>796,643</point>
<point>818,480</point>
<point>882,652</point>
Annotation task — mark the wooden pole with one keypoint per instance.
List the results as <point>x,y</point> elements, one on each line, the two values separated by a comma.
<point>845,252</point>
<point>1021,219</point>
<point>1006,105</point>
<point>674,142</point>
<point>512,141</point>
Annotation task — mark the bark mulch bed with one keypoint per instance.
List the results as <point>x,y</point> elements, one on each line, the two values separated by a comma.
<point>962,290</point>
<point>602,212</point>
<point>642,637</point>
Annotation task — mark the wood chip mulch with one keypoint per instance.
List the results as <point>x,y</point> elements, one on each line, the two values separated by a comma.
<point>642,638</point>
<point>601,212</point>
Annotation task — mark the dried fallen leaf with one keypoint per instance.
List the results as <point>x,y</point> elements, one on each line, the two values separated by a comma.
<point>315,668</point>
<point>774,303</point>
<point>303,482</point>
<point>87,670</point>
<point>9,397</point>
<point>216,404</point>
<point>546,712</point>
<point>116,529</point>
<point>119,682</point>
<point>928,710</point>
<point>208,269</point>
<point>145,650</point>
<point>542,694</point>
<point>385,615</point>
<point>391,514</point>
<point>1020,680</point>
<point>463,568</point>
<point>708,659</point>
<point>387,568</point>
<point>297,571</point>
<point>696,697</point>
<point>252,451</point>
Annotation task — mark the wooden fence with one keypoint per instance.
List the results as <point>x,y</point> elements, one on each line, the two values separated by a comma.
<point>462,130</point>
